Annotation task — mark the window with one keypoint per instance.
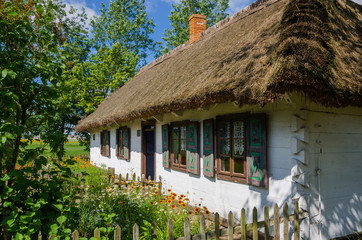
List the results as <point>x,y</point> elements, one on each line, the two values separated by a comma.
<point>105,143</point>
<point>178,145</point>
<point>123,143</point>
<point>241,149</point>
<point>94,137</point>
<point>231,148</point>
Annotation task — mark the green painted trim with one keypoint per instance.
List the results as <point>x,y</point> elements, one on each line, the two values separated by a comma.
<point>252,166</point>
<point>192,159</point>
<point>251,134</point>
<point>209,132</point>
<point>207,158</point>
<point>194,132</point>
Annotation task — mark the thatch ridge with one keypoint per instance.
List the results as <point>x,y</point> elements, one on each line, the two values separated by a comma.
<point>254,57</point>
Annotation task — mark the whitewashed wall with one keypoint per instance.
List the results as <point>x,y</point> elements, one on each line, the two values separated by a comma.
<point>334,167</point>
<point>121,166</point>
<point>298,143</point>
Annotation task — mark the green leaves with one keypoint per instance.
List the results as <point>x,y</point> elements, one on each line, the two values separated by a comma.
<point>7,72</point>
<point>215,11</point>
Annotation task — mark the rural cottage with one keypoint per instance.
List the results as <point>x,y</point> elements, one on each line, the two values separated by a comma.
<point>262,108</point>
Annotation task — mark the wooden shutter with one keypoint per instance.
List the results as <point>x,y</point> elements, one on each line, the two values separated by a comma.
<point>257,171</point>
<point>117,142</point>
<point>165,146</point>
<point>208,147</point>
<point>192,148</point>
<point>102,143</point>
<point>126,143</point>
<point>108,147</point>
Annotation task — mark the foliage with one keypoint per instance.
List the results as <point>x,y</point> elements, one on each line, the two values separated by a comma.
<point>71,148</point>
<point>179,33</point>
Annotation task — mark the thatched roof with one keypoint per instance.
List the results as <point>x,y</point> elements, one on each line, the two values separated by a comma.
<point>271,48</point>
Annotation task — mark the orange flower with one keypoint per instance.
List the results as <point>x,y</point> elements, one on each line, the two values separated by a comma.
<point>141,187</point>
<point>132,187</point>
<point>162,201</point>
<point>179,202</point>
<point>187,200</point>
<point>152,202</point>
<point>173,198</point>
<point>207,212</point>
<point>205,208</point>
<point>197,210</point>
<point>123,182</point>
<point>156,192</point>
<point>169,190</point>
<point>169,201</point>
<point>190,212</point>
<point>173,206</point>
<point>182,196</point>
<point>183,205</point>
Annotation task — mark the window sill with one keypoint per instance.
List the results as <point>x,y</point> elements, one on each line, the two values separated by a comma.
<point>231,178</point>
<point>180,169</point>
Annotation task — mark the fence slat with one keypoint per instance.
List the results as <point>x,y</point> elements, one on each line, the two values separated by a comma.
<point>267,222</point>
<point>276,223</point>
<point>243,224</point>
<point>40,236</point>
<point>217,226</point>
<point>170,229</point>
<point>97,234</point>
<point>230,226</point>
<point>117,233</point>
<point>136,235</point>
<point>187,230</point>
<point>285,221</point>
<point>202,228</point>
<point>154,230</point>
<point>255,224</point>
<point>296,220</point>
<point>134,177</point>
<point>76,235</point>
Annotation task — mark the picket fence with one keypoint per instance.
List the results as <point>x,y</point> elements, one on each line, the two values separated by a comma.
<point>230,231</point>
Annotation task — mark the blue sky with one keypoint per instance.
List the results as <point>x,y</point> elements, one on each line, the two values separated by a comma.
<point>159,10</point>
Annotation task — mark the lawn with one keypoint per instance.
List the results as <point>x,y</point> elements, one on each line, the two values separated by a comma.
<point>72,147</point>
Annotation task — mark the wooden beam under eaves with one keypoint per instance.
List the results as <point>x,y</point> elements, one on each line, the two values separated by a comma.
<point>177,114</point>
<point>158,118</point>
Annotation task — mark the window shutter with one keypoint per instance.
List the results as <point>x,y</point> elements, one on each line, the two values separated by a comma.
<point>257,171</point>
<point>165,147</point>
<point>117,142</point>
<point>102,143</point>
<point>108,144</point>
<point>126,143</point>
<point>192,153</point>
<point>208,147</point>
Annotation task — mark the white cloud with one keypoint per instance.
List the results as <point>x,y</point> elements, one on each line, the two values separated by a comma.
<point>358,1</point>
<point>79,5</point>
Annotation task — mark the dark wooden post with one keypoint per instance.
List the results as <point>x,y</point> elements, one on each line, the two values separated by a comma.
<point>286,221</point>
<point>267,222</point>
<point>170,229</point>
<point>243,224</point>
<point>276,223</point>
<point>296,220</point>
<point>255,224</point>
<point>230,226</point>
<point>202,227</point>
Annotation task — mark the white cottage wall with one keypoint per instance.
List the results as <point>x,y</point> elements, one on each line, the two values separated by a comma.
<point>335,186</point>
<point>121,166</point>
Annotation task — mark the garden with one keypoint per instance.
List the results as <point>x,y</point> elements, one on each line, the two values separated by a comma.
<point>61,196</point>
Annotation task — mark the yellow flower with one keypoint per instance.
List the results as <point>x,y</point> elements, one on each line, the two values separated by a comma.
<point>207,212</point>
<point>132,187</point>
<point>197,210</point>
<point>173,206</point>
<point>190,212</point>
<point>183,205</point>
<point>169,201</point>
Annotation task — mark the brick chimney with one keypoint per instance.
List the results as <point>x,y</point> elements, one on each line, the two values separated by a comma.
<point>197,24</point>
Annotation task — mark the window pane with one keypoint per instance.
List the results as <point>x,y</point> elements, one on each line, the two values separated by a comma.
<point>225,147</point>
<point>225,164</point>
<point>225,130</point>
<point>239,147</point>
<point>175,133</point>
<point>239,165</point>
<point>183,157</point>
<point>175,146</point>
<point>183,132</point>
<point>238,129</point>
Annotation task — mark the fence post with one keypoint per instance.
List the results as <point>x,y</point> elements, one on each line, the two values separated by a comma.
<point>187,231</point>
<point>230,226</point>
<point>160,186</point>
<point>276,223</point>
<point>75,235</point>
<point>97,234</point>
<point>170,229</point>
<point>286,221</point>
<point>267,222</point>
<point>143,178</point>
<point>134,177</point>
<point>296,220</point>
<point>255,224</point>
<point>243,224</point>
<point>40,236</point>
<point>154,230</point>
<point>202,227</point>
<point>136,235</point>
<point>117,233</point>
<point>127,176</point>
<point>217,226</point>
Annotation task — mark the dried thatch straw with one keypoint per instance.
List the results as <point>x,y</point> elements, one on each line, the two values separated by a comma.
<point>256,56</point>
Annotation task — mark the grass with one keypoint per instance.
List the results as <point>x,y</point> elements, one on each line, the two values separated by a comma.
<point>72,147</point>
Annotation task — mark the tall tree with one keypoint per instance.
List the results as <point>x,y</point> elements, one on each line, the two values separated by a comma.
<point>215,10</point>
